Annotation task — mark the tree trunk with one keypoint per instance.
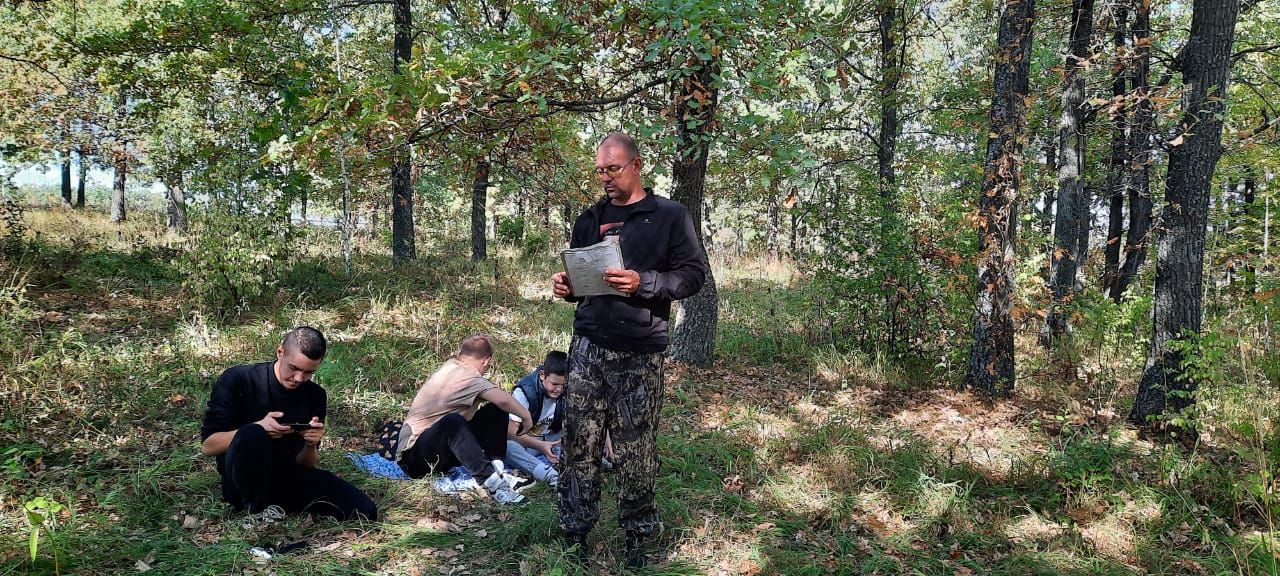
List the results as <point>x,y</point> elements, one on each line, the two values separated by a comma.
<point>1086,228</point>
<point>66,179</point>
<point>1065,256</point>
<point>1205,63</point>
<point>177,204</point>
<point>84,170</point>
<point>117,187</point>
<point>892,63</point>
<point>1050,196</point>
<point>991,362</point>
<point>1138,145</point>
<point>1248,197</point>
<point>773,223</point>
<point>479,198</point>
<point>892,59</point>
<point>693,334</point>
<point>402,242</point>
<point>1116,162</point>
<point>794,240</point>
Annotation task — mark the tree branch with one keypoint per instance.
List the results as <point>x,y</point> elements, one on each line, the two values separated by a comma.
<point>1254,50</point>
<point>37,66</point>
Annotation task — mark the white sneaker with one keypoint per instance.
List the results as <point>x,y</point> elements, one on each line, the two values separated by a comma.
<point>501,492</point>
<point>517,482</point>
<point>553,479</point>
<point>268,515</point>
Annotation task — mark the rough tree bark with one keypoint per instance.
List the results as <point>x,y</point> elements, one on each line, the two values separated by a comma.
<point>1116,162</point>
<point>479,199</point>
<point>1205,63</point>
<point>84,170</point>
<point>892,58</point>
<point>1065,256</point>
<point>402,242</point>
<point>66,178</point>
<point>117,186</point>
<point>773,222</point>
<point>1138,145</point>
<point>176,208</point>
<point>892,61</point>
<point>1082,235</point>
<point>693,334</point>
<point>991,362</point>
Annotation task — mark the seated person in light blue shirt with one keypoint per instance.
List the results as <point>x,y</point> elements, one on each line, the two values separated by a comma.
<point>537,452</point>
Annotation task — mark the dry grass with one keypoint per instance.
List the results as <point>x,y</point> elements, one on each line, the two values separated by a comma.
<point>790,459</point>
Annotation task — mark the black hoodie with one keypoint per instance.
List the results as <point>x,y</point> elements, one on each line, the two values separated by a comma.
<point>658,240</point>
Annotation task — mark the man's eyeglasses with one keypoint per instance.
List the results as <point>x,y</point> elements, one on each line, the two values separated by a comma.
<point>612,171</point>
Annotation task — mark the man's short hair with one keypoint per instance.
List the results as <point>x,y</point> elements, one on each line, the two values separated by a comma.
<point>627,143</point>
<point>476,346</point>
<point>557,362</point>
<point>307,340</point>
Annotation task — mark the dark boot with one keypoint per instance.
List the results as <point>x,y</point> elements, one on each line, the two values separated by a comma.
<point>581,552</point>
<point>635,550</point>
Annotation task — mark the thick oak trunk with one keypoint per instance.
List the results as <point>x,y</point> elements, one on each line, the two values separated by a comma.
<point>84,169</point>
<point>1138,145</point>
<point>891,63</point>
<point>1205,63</point>
<point>176,208</point>
<point>1072,212</point>
<point>1116,162</point>
<point>117,187</point>
<point>693,334</point>
<point>479,199</point>
<point>66,178</point>
<point>403,246</point>
<point>991,362</point>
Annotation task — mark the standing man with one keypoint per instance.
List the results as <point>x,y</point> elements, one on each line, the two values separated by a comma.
<point>446,425</point>
<point>615,358</point>
<point>264,423</point>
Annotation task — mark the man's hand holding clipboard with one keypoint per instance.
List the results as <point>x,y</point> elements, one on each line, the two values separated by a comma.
<point>595,270</point>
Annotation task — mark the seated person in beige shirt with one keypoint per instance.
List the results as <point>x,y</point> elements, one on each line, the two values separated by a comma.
<point>446,425</point>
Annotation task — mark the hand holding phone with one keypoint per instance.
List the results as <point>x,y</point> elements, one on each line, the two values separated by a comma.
<point>298,426</point>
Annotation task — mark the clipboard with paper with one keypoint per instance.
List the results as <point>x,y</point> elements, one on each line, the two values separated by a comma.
<point>585,267</point>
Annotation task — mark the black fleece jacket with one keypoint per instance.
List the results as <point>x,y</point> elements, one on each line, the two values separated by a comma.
<point>659,242</point>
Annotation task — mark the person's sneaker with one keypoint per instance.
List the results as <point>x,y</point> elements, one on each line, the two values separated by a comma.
<point>635,550</point>
<point>501,491</point>
<point>517,482</point>
<point>268,515</point>
<point>553,479</point>
<point>605,464</point>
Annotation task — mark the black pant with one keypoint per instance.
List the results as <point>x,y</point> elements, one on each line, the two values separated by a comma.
<point>454,441</point>
<point>260,477</point>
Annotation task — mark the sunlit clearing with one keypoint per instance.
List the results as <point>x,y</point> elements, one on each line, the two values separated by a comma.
<point>801,489</point>
<point>881,516</point>
<point>1116,533</point>
<point>198,337</point>
<point>1032,530</point>
<point>716,544</point>
<point>938,501</point>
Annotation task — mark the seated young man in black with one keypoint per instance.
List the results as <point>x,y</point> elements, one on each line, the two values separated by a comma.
<point>264,423</point>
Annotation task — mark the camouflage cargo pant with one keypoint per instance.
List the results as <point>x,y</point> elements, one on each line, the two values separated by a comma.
<point>620,392</point>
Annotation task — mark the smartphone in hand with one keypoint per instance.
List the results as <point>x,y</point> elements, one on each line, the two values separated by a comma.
<point>297,426</point>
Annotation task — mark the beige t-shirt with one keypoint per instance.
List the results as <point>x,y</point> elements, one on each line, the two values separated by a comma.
<point>454,388</point>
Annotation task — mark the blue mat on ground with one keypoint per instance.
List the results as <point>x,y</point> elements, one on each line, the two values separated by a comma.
<point>457,480</point>
<point>378,466</point>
